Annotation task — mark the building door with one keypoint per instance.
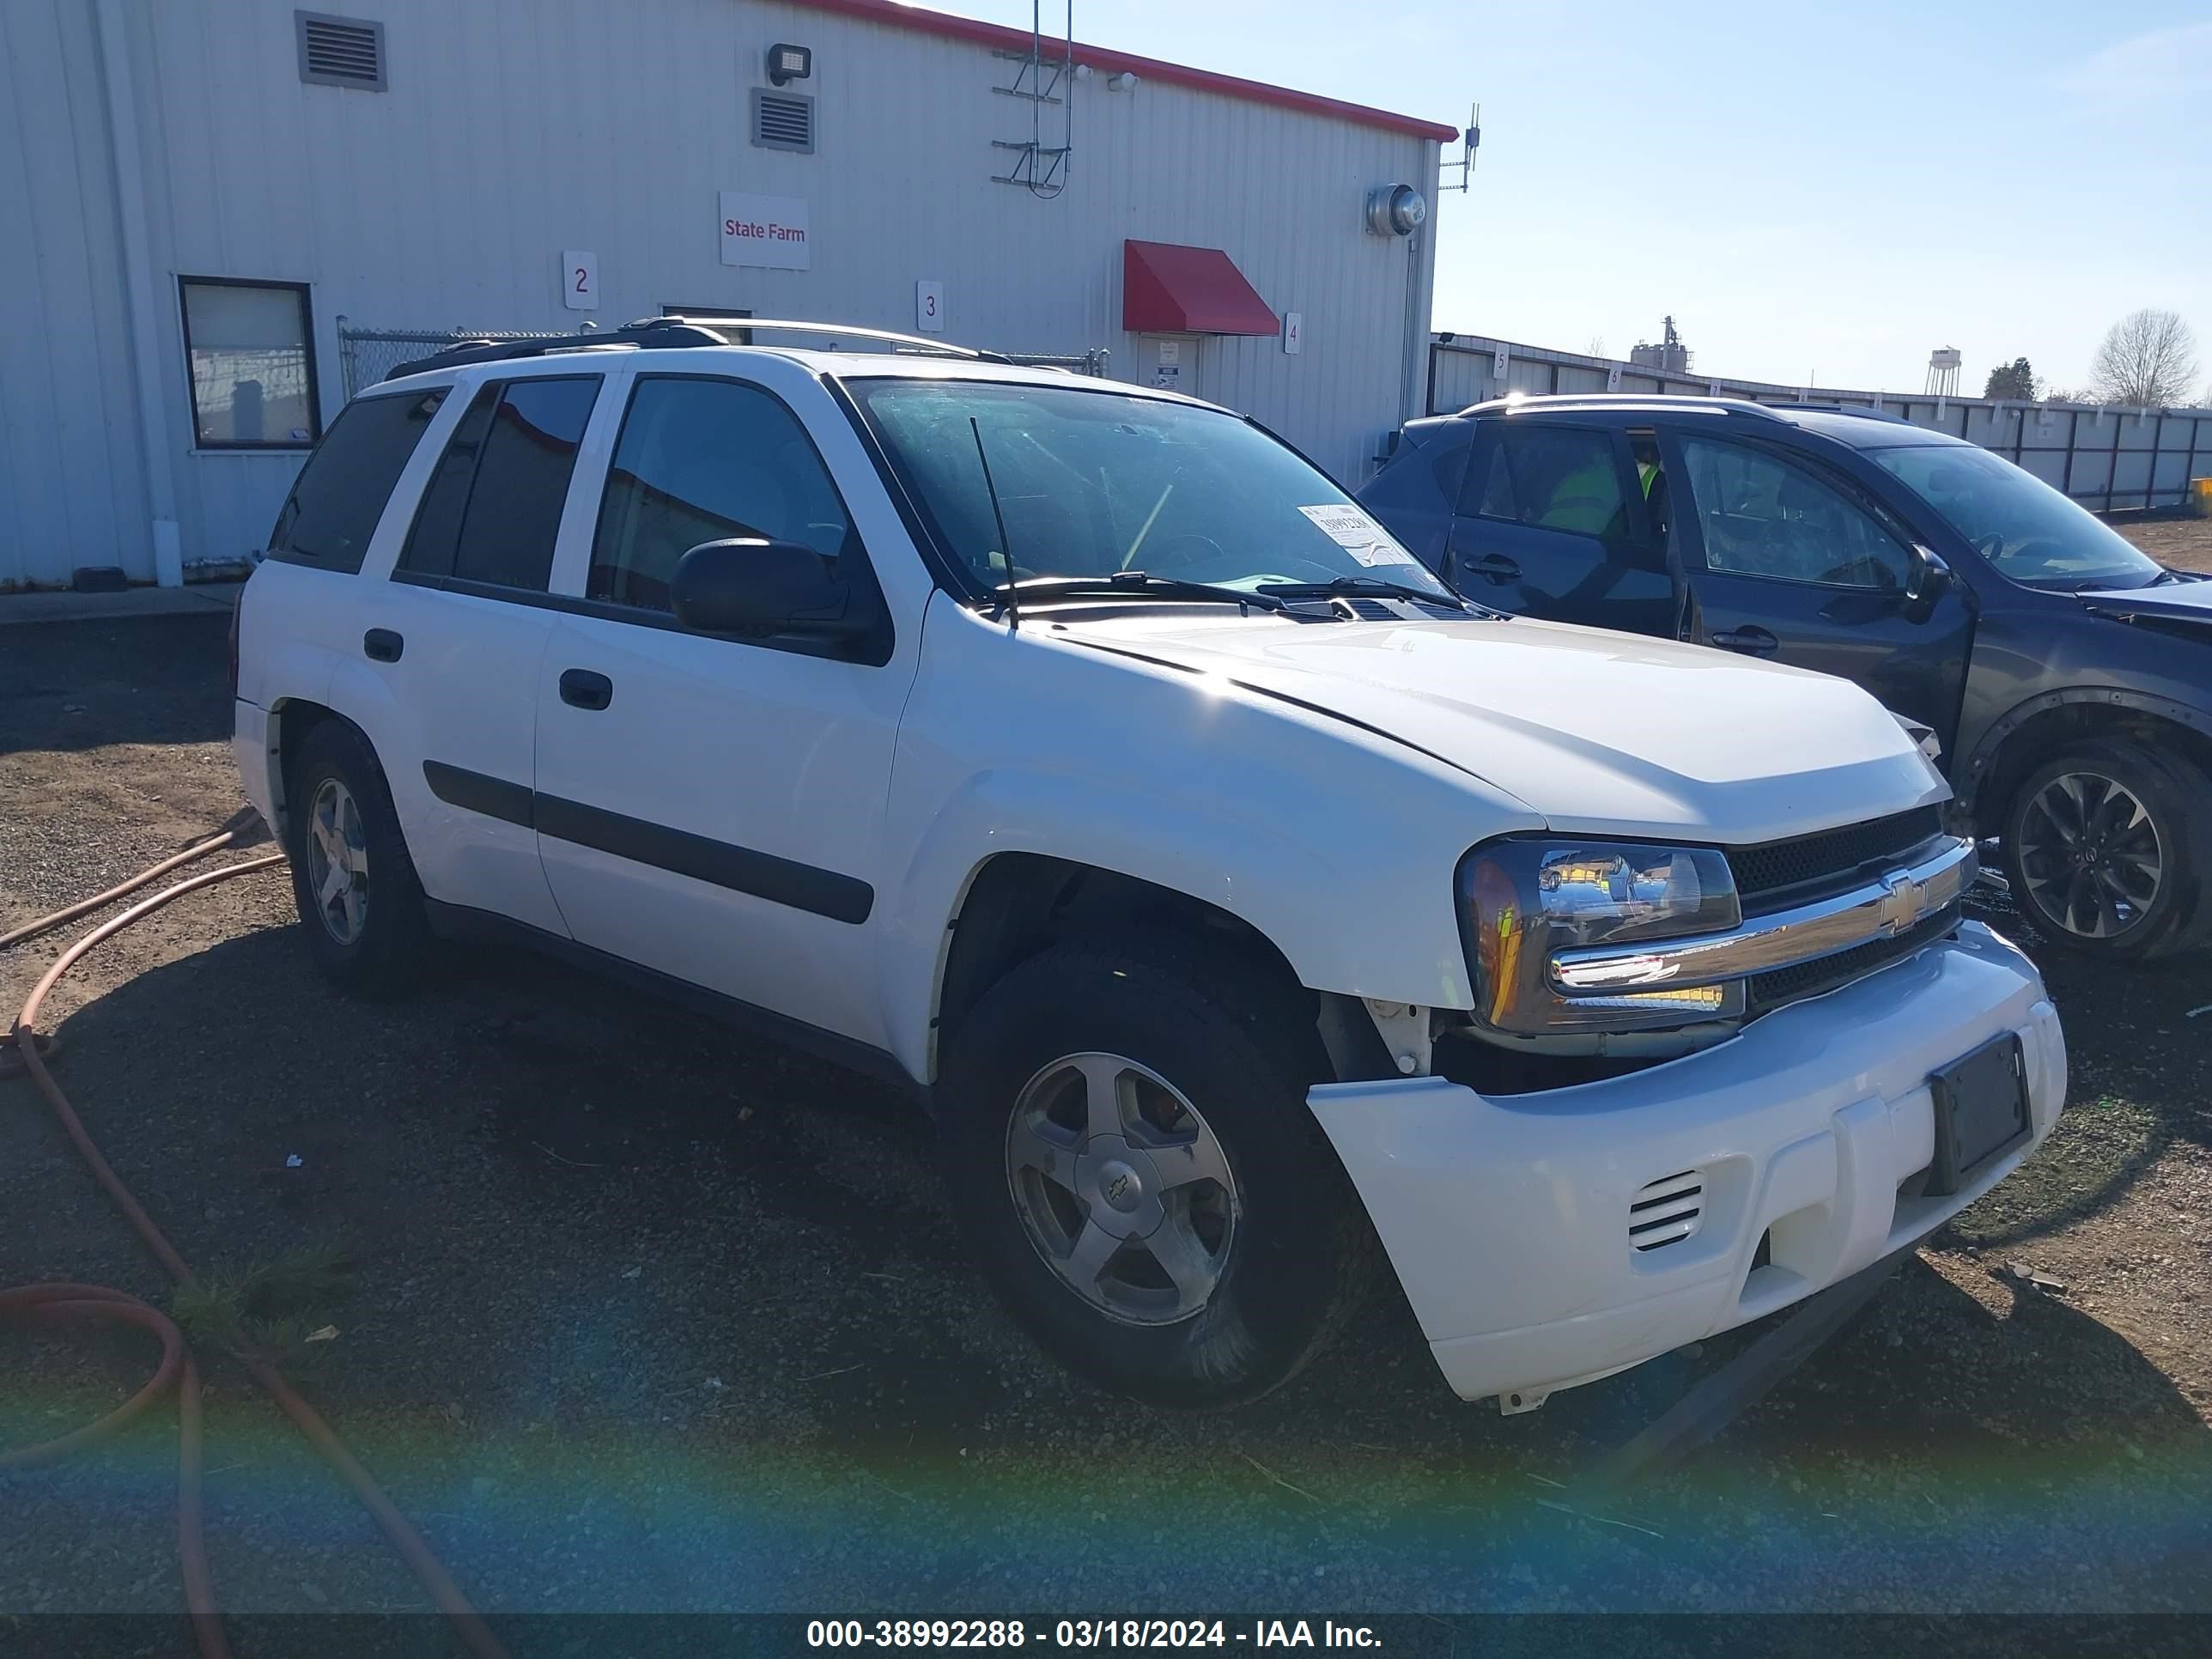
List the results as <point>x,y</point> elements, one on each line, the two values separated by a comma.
<point>1169,361</point>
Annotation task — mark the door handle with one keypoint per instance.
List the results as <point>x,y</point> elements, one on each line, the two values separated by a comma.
<point>1495,567</point>
<point>1756,642</point>
<point>382,645</point>
<point>582,689</point>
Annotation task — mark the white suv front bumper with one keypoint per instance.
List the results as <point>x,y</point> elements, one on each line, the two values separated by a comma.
<point>1507,1218</point>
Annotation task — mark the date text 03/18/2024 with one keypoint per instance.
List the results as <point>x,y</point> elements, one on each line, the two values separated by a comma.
<point>1084,1633</point>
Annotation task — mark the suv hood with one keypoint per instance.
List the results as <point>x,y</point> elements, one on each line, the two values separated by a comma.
<point>2189,601</point>
<point>1595,731</point>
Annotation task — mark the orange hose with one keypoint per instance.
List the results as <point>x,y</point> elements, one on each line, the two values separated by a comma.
<point>62,1300</point>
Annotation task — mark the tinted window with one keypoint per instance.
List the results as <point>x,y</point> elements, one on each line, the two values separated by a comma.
<point>1764,516</point>
<point>522,481</point>
<point>253,378</point>
<point>1427,477</point>
<point>1553,478</point>
<point>437,526</point>
<point>340,495</point>
<point>703,461</point>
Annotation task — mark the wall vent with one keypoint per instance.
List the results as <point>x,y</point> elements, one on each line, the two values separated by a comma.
<point>783,120</point>
<point>1666,1211</point>
<point>340,52</point>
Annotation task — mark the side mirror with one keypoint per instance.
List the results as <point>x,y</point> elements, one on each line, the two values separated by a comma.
<point>1930,581</point>
<point>752,586</point>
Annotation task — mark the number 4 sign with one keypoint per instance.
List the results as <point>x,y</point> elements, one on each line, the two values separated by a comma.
<point>580,280</point>
<point>1294,333</point>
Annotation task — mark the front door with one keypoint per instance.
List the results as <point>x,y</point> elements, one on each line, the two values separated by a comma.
<point>1784,559</point>
<point>711,807</point>
<point>1552,523</point>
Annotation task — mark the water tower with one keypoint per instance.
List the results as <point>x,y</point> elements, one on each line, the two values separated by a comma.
<point>1943,371</point>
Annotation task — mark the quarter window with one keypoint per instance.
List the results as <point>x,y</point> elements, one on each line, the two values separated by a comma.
<point>1553,478</point>
<point>1764,516</point>
<point>703,460</point>
<point>249,364</point>
<point>335,504</point>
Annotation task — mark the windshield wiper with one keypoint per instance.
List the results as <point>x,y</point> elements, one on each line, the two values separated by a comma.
<point>1130,584</point>
<point>1362,585</point>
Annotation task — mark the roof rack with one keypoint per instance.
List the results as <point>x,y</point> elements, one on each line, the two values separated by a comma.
<point>660,333</point>
<point>1652,400</point>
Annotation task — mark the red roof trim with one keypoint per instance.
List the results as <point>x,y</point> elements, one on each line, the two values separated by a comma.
<point>1108,62</point>
<point>1170,288</point>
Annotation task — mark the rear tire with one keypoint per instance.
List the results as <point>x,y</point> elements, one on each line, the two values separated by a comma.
<point>2106,849</point>
<point>360,903</point>
<point>1194,1241</point>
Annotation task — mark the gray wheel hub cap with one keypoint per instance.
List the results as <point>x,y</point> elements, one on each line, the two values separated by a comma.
<point>337,861</point>
<point>1121,1187</point>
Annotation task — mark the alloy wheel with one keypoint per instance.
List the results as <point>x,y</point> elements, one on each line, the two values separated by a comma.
<point>337,861</point>
<point>1121,1187</point>
<point>2091,854</point>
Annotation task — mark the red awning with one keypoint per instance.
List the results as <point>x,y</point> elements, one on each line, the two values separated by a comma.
<point>1169,289</point>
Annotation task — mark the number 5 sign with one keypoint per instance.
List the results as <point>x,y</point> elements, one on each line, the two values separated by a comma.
<point>580,280</point>
<point>929,306</point>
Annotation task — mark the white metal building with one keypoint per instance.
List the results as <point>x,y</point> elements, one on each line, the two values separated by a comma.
<point>196,192</point>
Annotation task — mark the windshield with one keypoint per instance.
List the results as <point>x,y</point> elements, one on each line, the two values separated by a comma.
<point>1095,482</point>
<point>2019,524</point>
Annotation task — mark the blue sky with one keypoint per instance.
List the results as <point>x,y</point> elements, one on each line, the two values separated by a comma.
<point>1808,188</point>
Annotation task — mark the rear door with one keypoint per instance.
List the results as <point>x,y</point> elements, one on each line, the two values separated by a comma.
<point>1552,522</point>
<point>457,636</point>
<point>1786,558</point>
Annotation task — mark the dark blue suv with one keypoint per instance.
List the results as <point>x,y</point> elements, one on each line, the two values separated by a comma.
<point>2066,677</point>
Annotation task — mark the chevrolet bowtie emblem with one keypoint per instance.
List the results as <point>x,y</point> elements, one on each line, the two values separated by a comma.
<point>1903,900</point>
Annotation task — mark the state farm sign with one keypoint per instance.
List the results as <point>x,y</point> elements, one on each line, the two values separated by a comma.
<point>764,230</point>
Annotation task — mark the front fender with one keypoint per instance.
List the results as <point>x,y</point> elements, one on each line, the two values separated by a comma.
<point>1336,844</point>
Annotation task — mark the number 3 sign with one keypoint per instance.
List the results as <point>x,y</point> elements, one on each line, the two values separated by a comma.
<point>580,280</point>
<point>929,306</point>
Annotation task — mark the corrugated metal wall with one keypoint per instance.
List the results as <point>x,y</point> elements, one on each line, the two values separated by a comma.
<point>515,129</point>
<point>2105,457</point>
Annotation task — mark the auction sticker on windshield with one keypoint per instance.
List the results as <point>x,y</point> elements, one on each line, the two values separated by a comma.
<point>1357,534</point>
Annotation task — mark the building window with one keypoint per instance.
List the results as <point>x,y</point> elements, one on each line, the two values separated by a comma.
<point>248,349</point>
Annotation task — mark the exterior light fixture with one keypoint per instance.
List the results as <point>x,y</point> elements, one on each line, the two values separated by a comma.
<point>1125,81</point>
<point>789,63</point>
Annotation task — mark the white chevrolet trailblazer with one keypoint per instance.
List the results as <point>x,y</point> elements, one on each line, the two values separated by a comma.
<point>1230,891</point>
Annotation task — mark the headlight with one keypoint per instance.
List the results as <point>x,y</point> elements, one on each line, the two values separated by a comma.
<point>1519,901</point>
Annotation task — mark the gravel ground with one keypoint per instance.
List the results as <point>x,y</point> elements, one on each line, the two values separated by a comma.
<point>2172,538</point>
<point>649,1316</point>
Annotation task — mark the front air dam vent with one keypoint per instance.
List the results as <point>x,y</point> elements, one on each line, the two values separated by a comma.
<point>1667,1211</point>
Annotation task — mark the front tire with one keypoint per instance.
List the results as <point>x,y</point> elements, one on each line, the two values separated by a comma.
<point>2105,848</point>
<point>360,903</point>
<point>1127,1144</point>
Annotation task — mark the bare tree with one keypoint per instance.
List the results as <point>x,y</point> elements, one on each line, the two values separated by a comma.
<point>2149,359</point>
<point>1597,346</point>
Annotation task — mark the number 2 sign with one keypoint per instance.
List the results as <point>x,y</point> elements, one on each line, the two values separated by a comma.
<point>580,280</point>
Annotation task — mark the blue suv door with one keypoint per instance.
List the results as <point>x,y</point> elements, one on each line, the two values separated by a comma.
<point>1784,557</point>
<point>1552,522</point>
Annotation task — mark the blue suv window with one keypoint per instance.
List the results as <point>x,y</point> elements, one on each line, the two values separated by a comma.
<point>1553,478</point>
<point>1764,516</point>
